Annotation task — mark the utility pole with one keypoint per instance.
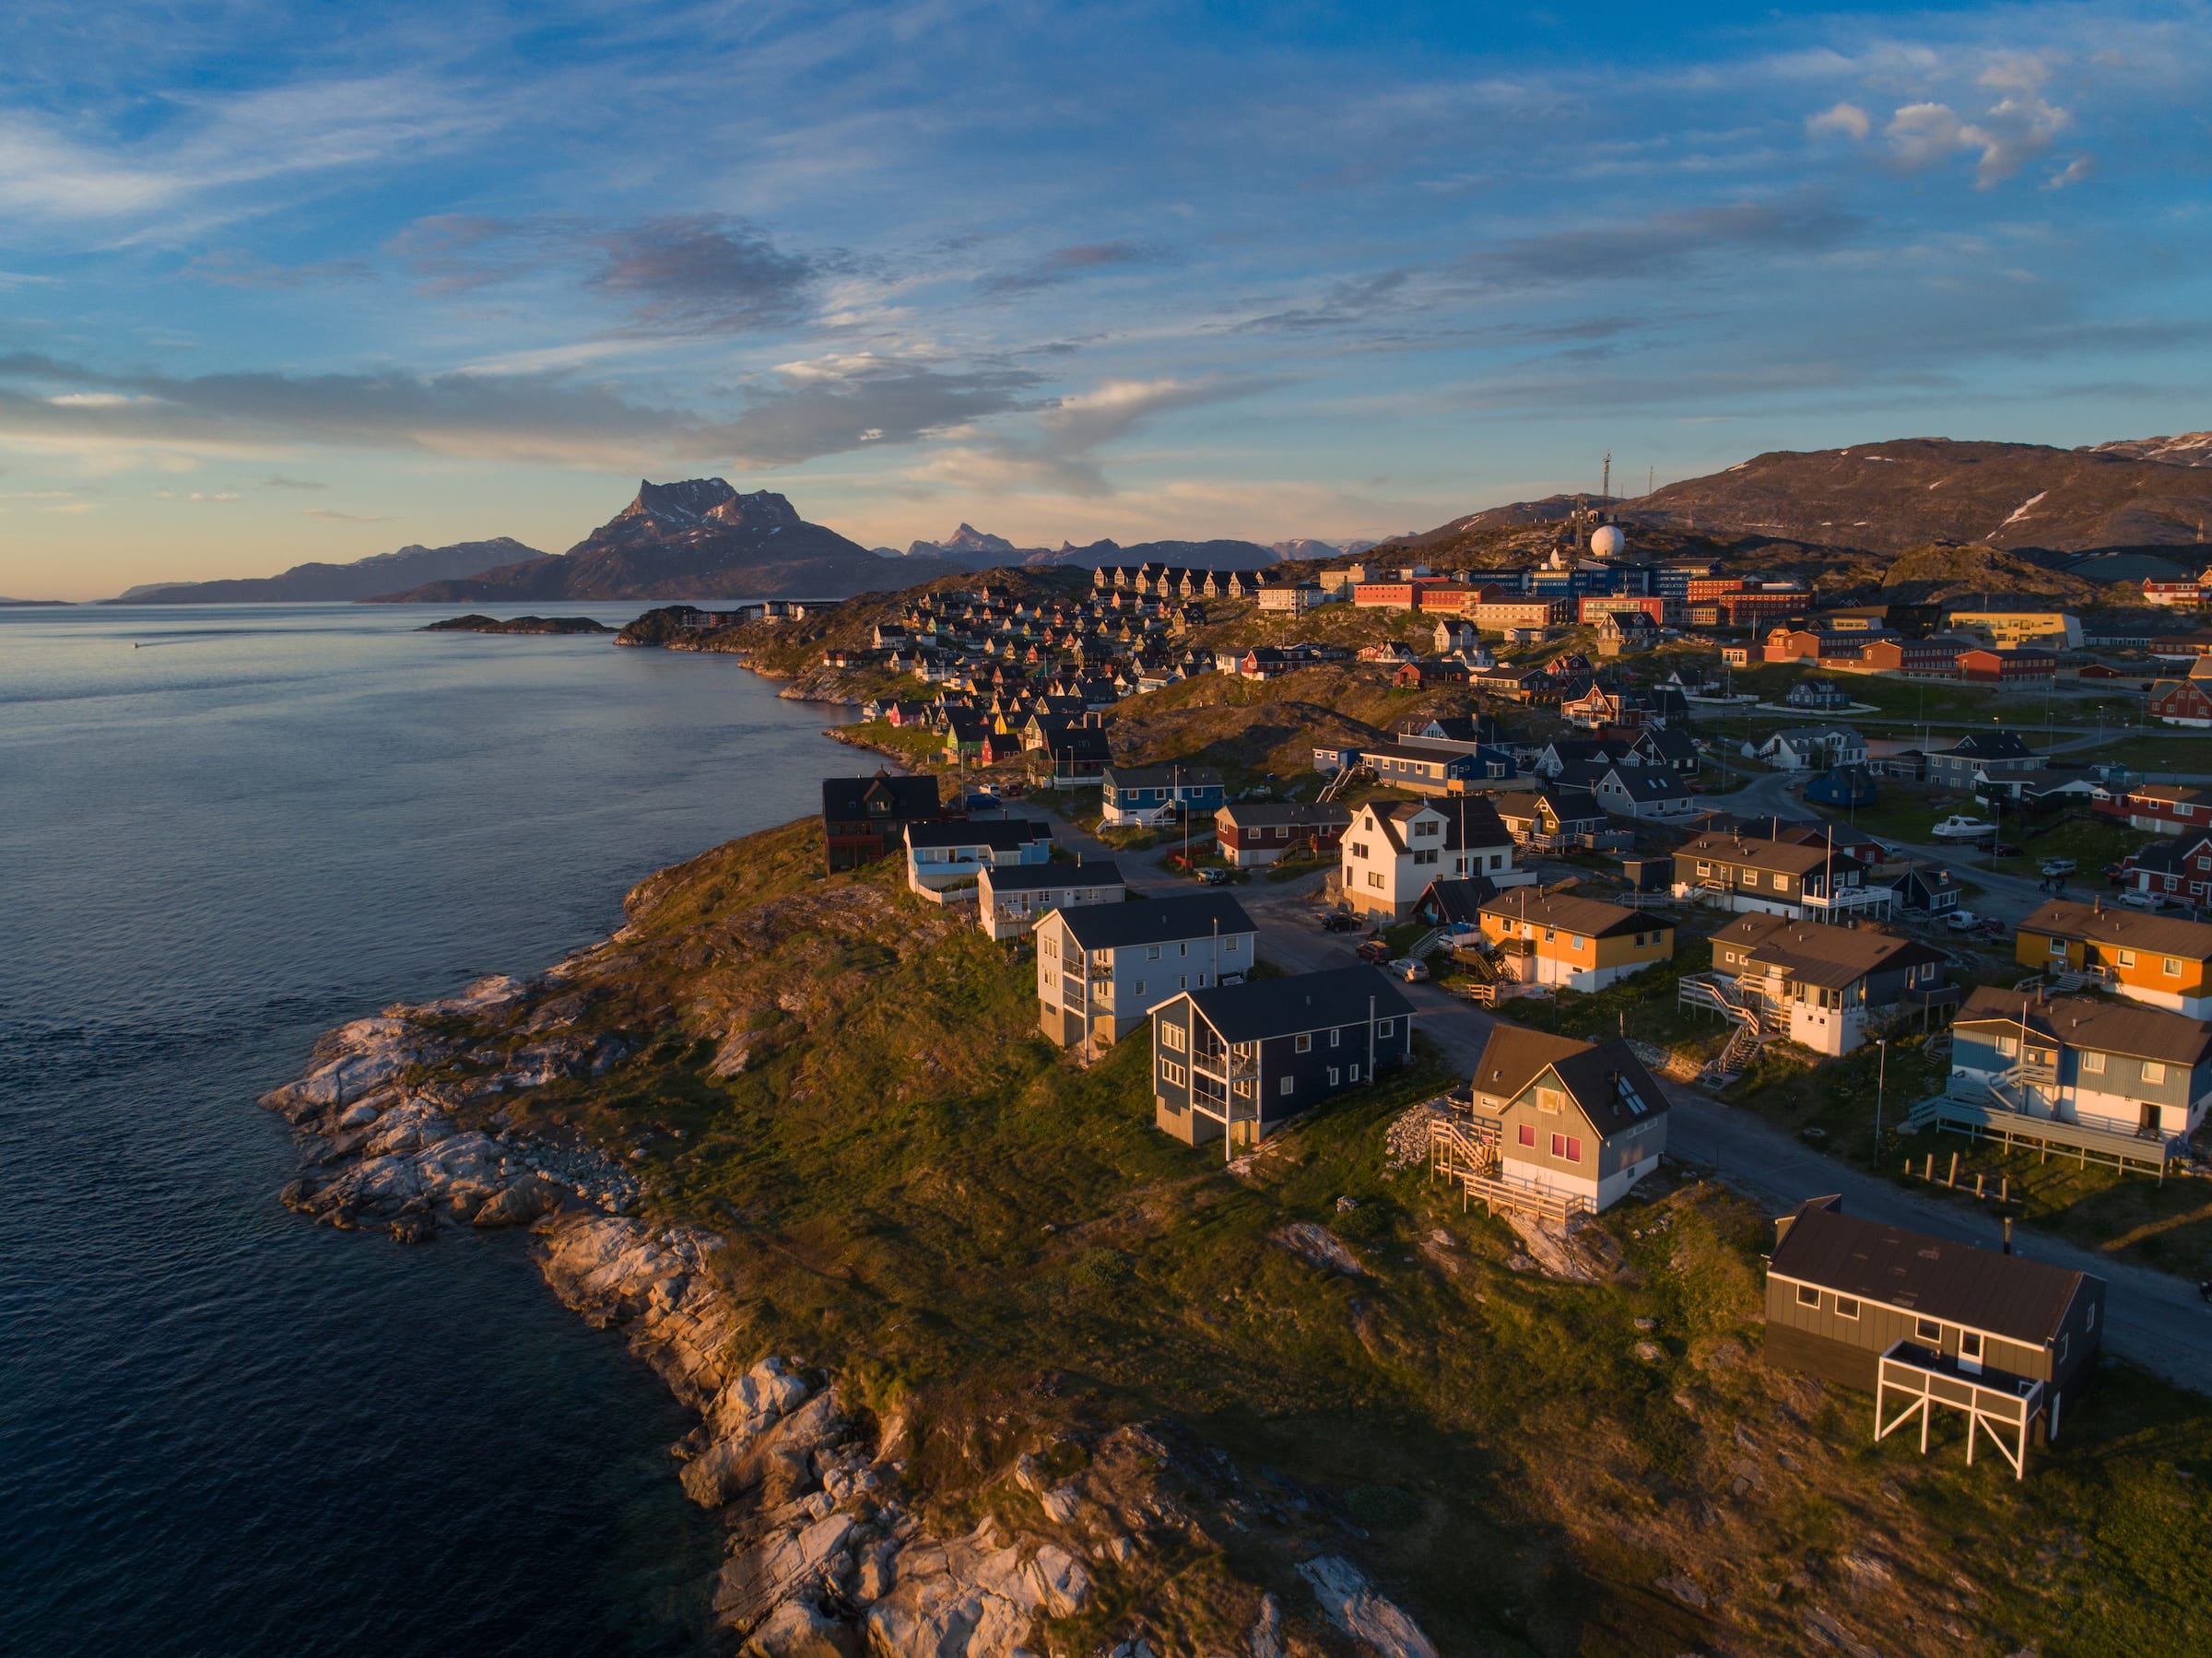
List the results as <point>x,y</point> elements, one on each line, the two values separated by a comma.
<point>1881,1076</point>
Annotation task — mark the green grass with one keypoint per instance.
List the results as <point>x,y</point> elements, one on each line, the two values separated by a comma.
<point>976,1231</point>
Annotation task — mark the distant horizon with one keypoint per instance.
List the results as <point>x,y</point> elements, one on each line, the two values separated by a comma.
<point>273,293</point>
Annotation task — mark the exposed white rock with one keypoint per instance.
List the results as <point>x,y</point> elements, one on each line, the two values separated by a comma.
<point>1354,1605</point>
<point>800,1629</point>
<point>1264,1639</point>
<point>974,1598</point>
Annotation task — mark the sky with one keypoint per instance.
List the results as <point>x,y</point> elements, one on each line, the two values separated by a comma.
<point>281,283</point>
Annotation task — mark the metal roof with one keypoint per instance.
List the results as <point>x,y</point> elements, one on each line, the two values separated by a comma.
<point>1156,921</point>
<point>2100,1027</point>
<point>1260,1008</point>
<point>1565,912</point>
<point>2124,929</point>
<point>1819,954</point>
<point>1043,877</point>
<point>2008,1296</point>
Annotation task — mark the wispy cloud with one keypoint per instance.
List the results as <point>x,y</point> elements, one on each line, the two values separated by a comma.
<point>336,517</point>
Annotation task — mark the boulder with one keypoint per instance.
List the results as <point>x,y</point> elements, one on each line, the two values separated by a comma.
<point>756,1581</point>
<point>796,1629</point>
<point>1354,1605</point>
<point>519,1205</point>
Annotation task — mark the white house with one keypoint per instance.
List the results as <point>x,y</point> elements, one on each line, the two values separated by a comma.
<point>1814,748</point>
<point>940,857</point>
<point>1645,793</point>
<point>1395,848</point>
<point>1012,899</point>
<point>1102,968</point>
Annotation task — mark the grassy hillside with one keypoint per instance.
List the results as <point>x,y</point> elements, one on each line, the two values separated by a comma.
<point>993,1242</point>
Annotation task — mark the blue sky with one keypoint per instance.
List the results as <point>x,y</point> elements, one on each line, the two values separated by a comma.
<point>281,283</point>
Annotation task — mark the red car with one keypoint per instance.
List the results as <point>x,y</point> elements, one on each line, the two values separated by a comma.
<point>1374,950</point>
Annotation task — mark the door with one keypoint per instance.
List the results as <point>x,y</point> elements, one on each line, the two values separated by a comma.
<point>1969,1352</point>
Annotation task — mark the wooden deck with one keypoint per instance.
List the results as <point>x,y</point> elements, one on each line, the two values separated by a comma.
<point>2085,1143</point>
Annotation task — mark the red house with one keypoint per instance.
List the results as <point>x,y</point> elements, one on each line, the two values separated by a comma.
<point>2179,702</point>
<point>2026,667</point>
<point>1419,676</point>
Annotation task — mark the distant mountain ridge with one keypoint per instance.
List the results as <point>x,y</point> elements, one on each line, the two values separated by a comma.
<point>1890,497</point>
<point>699,539</point>
<point>363,579</point>
<point>978,550</point>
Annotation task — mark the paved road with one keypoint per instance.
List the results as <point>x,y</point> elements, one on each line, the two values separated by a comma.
<point>2153,1318</point>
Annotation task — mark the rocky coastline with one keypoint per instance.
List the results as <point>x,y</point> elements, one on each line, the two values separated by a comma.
<point>474,623</point>
<point>831,1554</point>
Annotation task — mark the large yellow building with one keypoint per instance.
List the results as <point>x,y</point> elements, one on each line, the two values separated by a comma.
<point>2156,960</point>
<point>2010,628</point>
<point>1580,943</point>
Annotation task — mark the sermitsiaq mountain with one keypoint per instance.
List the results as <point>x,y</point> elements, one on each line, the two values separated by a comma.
<point>363,579</point>
<point>698,539</point>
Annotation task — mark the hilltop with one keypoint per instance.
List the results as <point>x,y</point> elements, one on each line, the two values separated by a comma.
<point>696,539</point>
<point>1940,574</point>
<point>375,577</point>
<point>1216,1407</point>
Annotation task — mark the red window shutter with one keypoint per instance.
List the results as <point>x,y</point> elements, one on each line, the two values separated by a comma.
<point>1574,1149</point>
<point>1528,1134</point>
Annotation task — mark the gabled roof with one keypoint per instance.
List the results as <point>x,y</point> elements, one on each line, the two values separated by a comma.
<point>1816,953</point>
<point>1648,782</point>
<point>1569,804</point>
<point>1459,902</point>
<point>2008,1296</point>
<point>1156,921</point>
<point>1607,1080</point>
<point>1046,877</point>
<point>1163,777</point>
<point>2123,929</point>
<point>1988,746</point>
<point>1756,852</point>
<point>1260,1008</point>
<point>1468,821</point>
<point>2102,1026</point>
<point>845,797</point>
<point>1668,741</point>
<point>1256,814</point>
<point>1002,834</point>
<point>1566,912</point>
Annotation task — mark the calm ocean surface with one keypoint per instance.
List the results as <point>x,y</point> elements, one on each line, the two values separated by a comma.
<point>224,1431</point>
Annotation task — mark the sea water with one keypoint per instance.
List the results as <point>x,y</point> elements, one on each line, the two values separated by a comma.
<point>222,830</point>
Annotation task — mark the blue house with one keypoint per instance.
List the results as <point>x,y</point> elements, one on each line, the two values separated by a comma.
<point>1842,786</point>
<point>1147,795</point>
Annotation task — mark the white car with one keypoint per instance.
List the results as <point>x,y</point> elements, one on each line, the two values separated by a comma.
<point>1408,969</point>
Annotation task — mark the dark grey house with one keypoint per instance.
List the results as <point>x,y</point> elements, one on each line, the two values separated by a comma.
<point>1991,753</point>
<point>1239,1059</point>
<point>1927,1323</point>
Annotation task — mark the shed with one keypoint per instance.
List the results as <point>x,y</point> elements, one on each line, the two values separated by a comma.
<point>1842,786</point>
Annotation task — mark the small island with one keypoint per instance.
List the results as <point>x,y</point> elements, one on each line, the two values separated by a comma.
<point>521,624</point>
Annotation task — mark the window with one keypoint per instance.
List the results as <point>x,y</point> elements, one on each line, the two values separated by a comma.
<point>1704,869</point>
<point>1172,1037</point>
<point>1427,856</point>
<point>1498,860</point>
<point>2173,966</point>
<point>1846,1307</point>
<point>1928,1330</point>
<point>1427,828</point>
<point>2008,1045</point>
<point>1182,949</point>
<point>2093,1065</point>
<point>1575,942</point>
<point>1173,1075</point>
<point>1229,946</point>
<point>1048,980</point>
<point>1335,1039</point>
<point>1140,987</point>
<point>1374,879</point>
<point>2058,947</point>
<point>2062,1346</point>
<point>1052,946</point>
<point>2153,1071</point>
<point>1151,952</point>
<point>1807,1296</point>
<point>1302,1043</point>
<point>1334,1074</point>
<point>1359,849</point>
<point>1970,1350</point>
<point>2092,1322</point>
<point>1183,981</point>
<point>1568,1147</point>
<point>1353,1071</point>
<point>2127,959</point>
<point>1383,1027</point>
<point>1527,1135</point>
<point>1549,1099</point>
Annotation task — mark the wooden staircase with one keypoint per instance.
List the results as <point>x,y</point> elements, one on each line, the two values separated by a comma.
<point>1464,1150</point>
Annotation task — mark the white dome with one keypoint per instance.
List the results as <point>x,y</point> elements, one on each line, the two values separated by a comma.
<point>1608,542</point>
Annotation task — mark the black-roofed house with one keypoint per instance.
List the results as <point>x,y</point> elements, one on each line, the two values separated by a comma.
<point>1559,1125</point>
<point>1012,899</point>
<point>1395,848</point>
<point>1239,1059</point>
<point>1265,832</point>
<point>1925,1322</point>
<point>1147,795</point>
<point>1102,968</point>
<point>941,857</point>
<point>865,818</point>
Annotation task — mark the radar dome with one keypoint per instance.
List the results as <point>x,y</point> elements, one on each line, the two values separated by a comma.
<point>1608,542</point>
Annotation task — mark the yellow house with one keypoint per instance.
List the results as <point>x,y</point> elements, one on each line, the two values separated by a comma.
<point>1579,943</point>
<point>2155,959</point>
<point>2007,628</point>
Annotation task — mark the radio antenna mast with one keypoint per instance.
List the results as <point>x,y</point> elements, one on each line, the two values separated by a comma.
<point>1604,489</point>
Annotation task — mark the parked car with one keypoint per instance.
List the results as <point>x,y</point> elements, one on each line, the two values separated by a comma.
<point>1962,921</point>
<point>1336,921</point>
<point>1213,877</point>
<point>1408,969</point>
<point>2143,901</point>
<point>2058,866</point>
<point>1999,848</point>
<point>1374,950</point>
